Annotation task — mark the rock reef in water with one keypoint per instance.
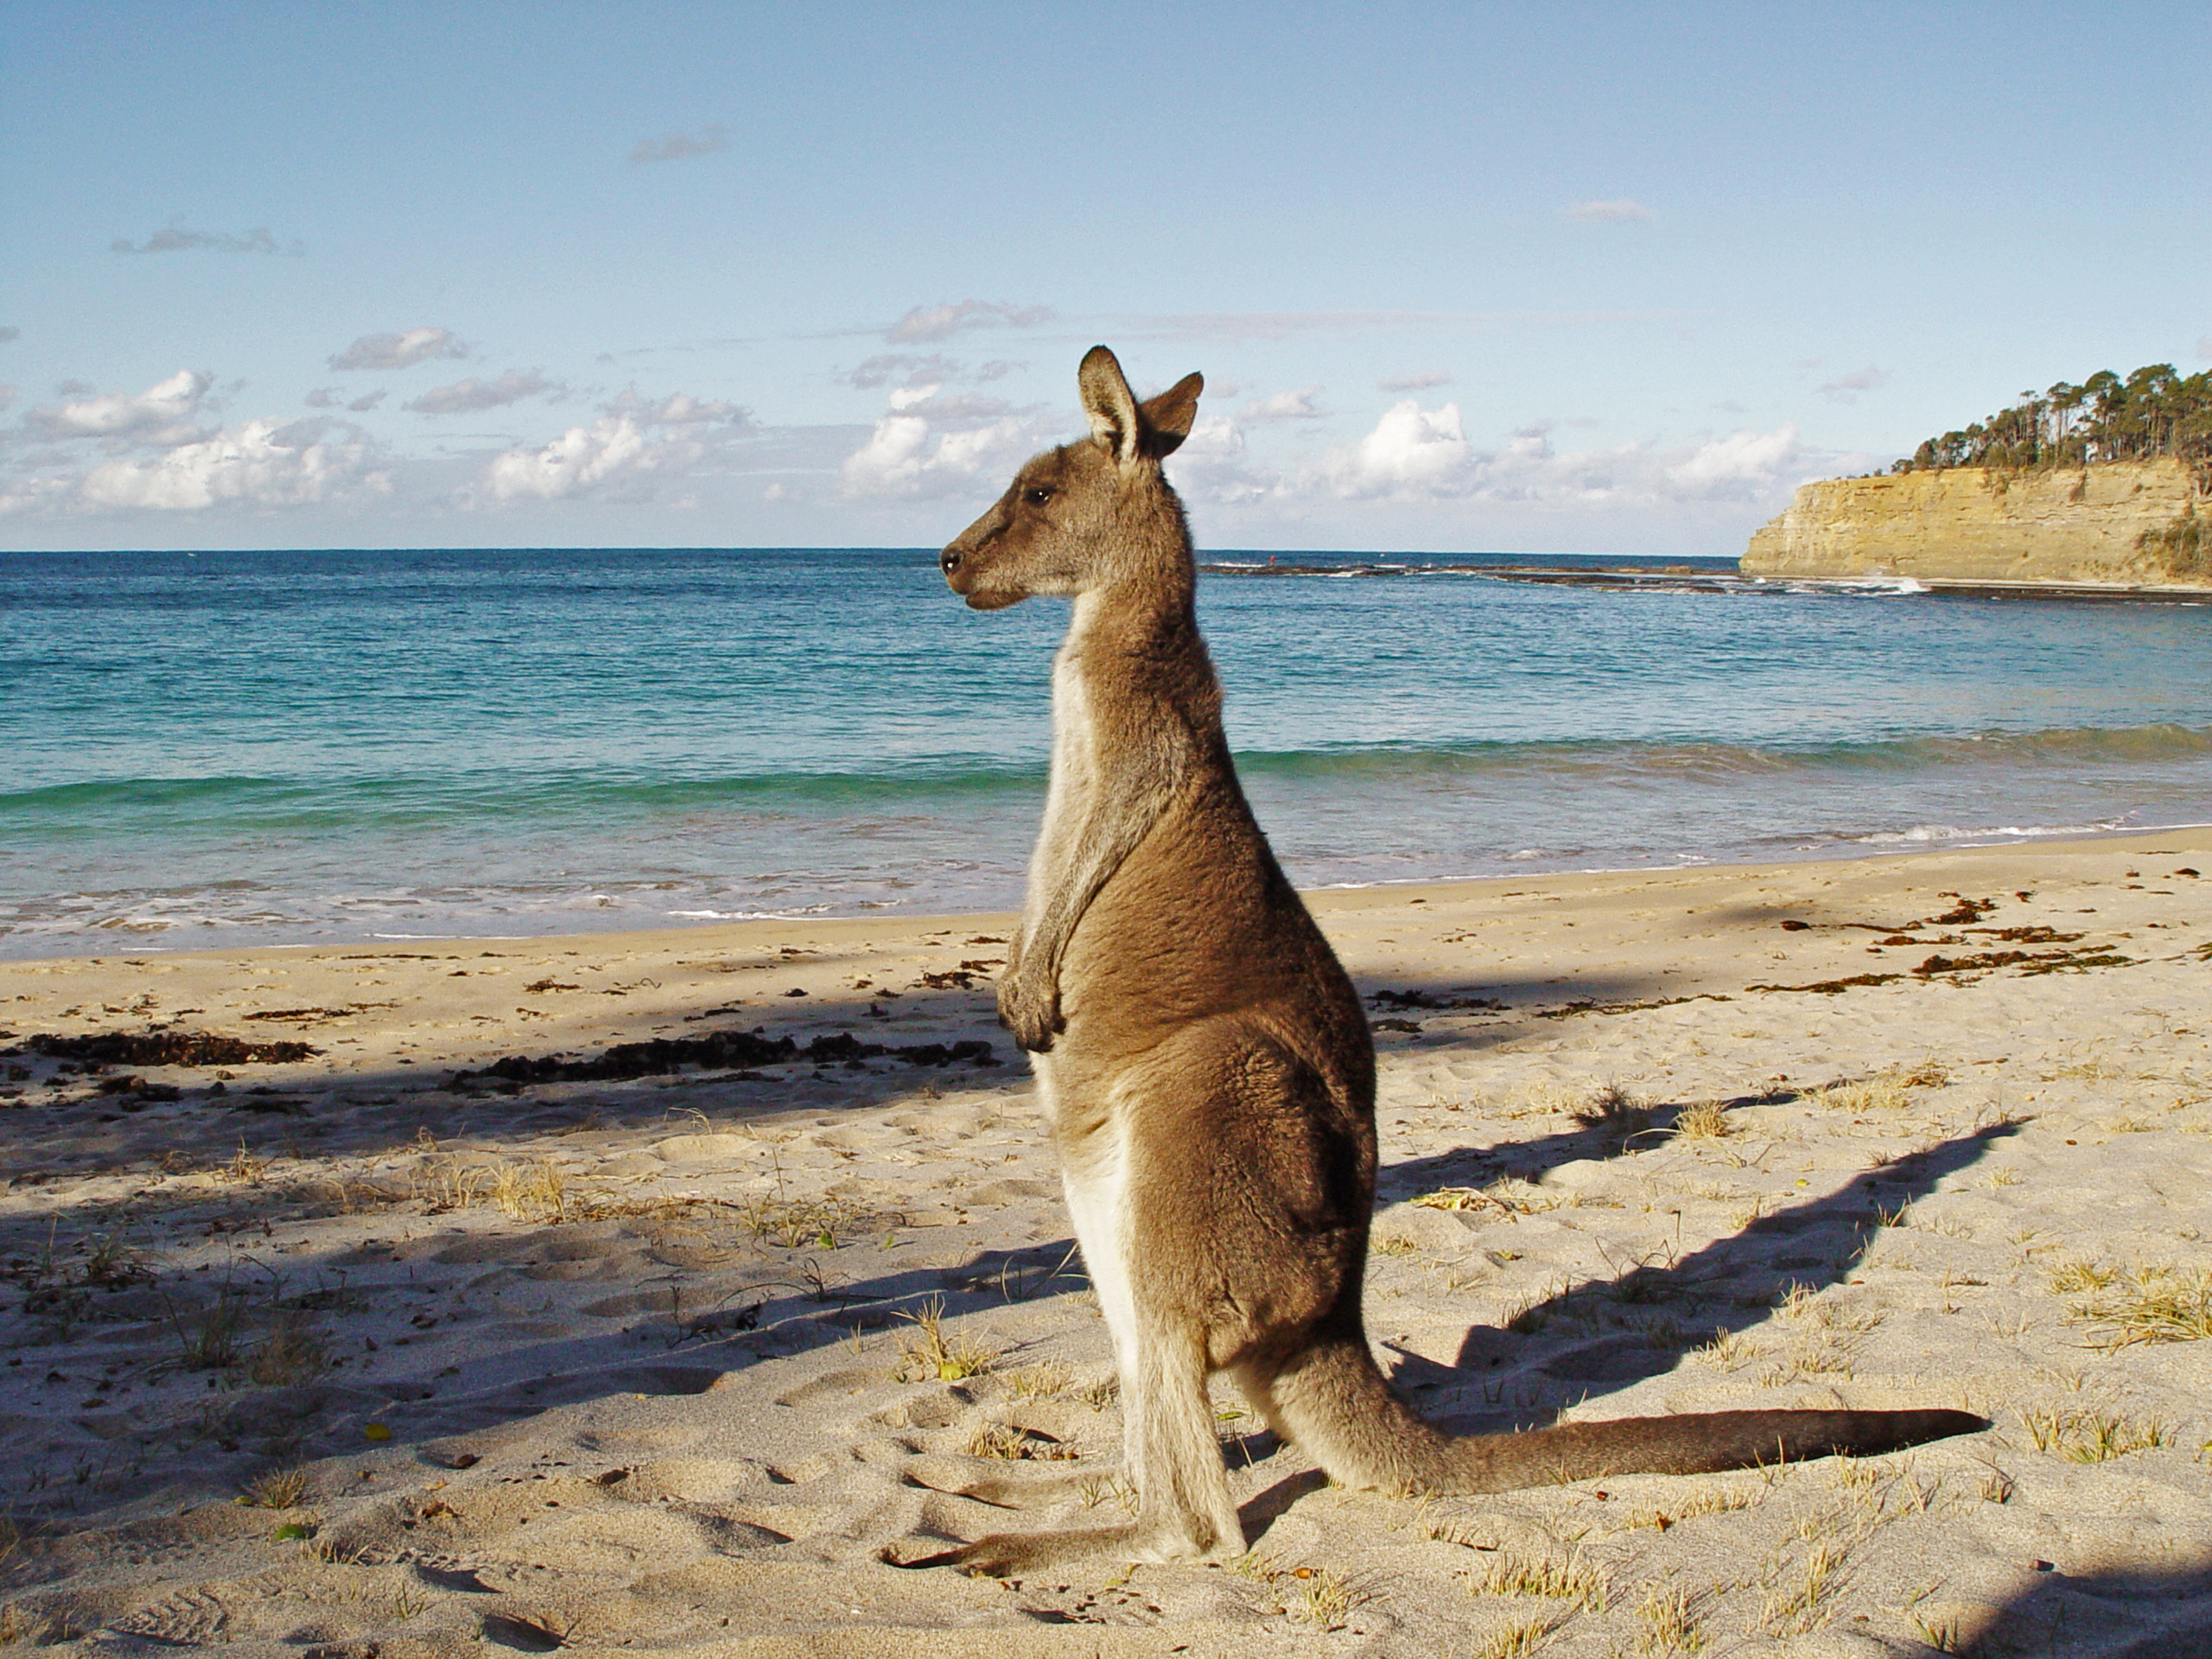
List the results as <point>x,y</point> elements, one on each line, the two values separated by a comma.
<point>2145,524</point>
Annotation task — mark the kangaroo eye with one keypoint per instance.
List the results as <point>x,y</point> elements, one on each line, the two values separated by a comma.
<point>1038,496</point>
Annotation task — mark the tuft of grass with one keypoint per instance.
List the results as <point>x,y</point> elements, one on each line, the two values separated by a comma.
<point>537,1191</point>
<point>212,1338</point>
<point>2149,1304</point>
<point>2079,1274</point>
<point>1718,1502</point>
<point>799,1223</point>
<point>1097,1488</point>
<point>1541,1577</point>
<point>1394,1245</point>
<point>1544,1096</point>
<point>1040,1381</point>
<point>1523,1637</point>
<point>1666,1626</point>
<point>1806,1607</point>
<point>1323,1598</point>
<point>291,1352</point>
<point>1005,1441</point>
<point>928,1352</point>
<point>1856,1099</point>
<point>1807,1308</point>
<point>22,1628</point>
<point>60,1283</point>
<point>1707,1120</point>
<point>2086,1436</point>
<point>1944,1635</point>
<point>276,1489</point>
<point>1613,1111</point>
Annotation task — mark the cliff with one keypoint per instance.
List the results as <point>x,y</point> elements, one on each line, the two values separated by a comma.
<point>2125,523</point>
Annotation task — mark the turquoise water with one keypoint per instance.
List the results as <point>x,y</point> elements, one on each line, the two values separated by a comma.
<point>255,748</point>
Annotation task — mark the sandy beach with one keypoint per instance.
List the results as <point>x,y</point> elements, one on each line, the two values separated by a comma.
<point>665,1291</point>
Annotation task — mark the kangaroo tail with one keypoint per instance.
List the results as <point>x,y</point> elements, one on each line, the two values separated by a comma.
<point>1333,1401</point>
<point>1695,1443</point>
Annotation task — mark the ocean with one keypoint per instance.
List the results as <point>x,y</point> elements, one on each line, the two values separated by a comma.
<point>231,749</point>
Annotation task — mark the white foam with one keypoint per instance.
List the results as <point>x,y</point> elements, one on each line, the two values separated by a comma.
<point>750,916</point>
<point>1926,833</point>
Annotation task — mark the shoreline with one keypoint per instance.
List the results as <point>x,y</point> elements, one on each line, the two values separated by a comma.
<point>669,1324</point>
<point>1900,846</point>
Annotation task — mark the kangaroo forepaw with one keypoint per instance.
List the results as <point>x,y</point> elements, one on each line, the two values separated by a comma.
<point>1030,1008</point>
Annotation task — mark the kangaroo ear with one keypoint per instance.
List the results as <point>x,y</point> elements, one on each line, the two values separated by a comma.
<point>1112,407</point>
<point>1168,416</point>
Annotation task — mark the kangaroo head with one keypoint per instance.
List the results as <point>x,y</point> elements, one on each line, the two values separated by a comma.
<point>1086,514</point>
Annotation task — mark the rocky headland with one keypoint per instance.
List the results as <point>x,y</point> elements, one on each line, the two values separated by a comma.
<point>2142,525</point>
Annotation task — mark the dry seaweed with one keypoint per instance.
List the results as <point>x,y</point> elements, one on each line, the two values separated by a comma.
<point>167,1049</point>
<point>718,1051</point>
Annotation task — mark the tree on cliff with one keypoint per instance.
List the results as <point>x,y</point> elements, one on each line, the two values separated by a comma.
<point>2154,411</point>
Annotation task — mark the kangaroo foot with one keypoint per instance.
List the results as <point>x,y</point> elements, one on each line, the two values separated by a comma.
<point>988,1483</point>
<point>1012,1554</point>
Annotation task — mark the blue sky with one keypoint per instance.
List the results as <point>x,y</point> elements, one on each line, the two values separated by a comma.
<point>1547,278</point>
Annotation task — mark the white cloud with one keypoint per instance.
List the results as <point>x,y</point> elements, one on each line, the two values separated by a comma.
<point>1619,211</point>
<point>1743,466</point>
<point>634,443</point>
<point>678,145</point>
<point>924,323</point>
<point>333,397</point>
<point>399,350</point>
<point>903,366</point>
<point>933,402</point>
<point>472,396</point>
<point>1211,465</point>
<point>10,336</point>
<point>6,393</point>
<point>1846,388</point>
<point>908,455</point>
<point>677,409</point>
<point>582,458</point>
<point>1416,455</point>
<point>1421,381</point>
<point>2203,346</point>
<point>173,237</point>
<point>162,413</point>
<point>1412,451</point>
<point>1284,406</point>
<point>260,462</point>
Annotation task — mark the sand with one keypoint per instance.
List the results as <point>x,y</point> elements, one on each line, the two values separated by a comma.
<point>358,1353</point>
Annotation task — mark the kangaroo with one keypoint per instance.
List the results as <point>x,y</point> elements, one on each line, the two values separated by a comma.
<point>1207,1067</point>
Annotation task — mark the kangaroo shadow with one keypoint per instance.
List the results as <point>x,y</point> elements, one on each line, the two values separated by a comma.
<point>1602,1136</point>
<point>1582,1340</point>
<point>1601,1334</point>
<point>2116,1613</point>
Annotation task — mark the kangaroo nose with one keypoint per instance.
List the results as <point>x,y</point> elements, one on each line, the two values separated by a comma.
<point>950,560</point>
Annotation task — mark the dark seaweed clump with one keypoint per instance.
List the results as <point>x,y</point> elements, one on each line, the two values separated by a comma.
<point>721,1049</point>
<point>165,1049</point>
